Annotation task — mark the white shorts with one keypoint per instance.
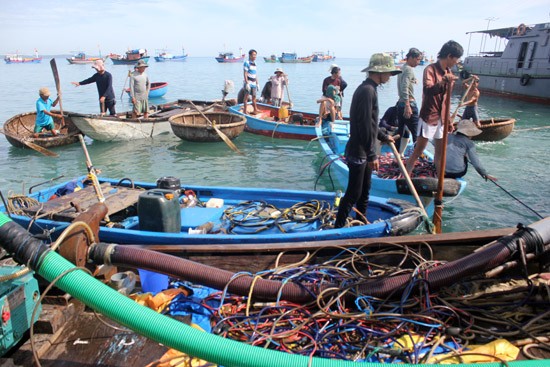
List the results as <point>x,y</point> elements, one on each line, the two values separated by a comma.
<point>430,131</point>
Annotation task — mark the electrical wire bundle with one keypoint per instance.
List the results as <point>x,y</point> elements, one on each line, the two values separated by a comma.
<point>415,327</point>
<point>259,216</point>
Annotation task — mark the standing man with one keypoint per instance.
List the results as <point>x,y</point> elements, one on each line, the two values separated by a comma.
<point>139,90</point>
<point>335,79</point>
<point>360,150</point>
<point>471,112</point>
<point>104,83</point>
<point>407,110</point>
<point>438,80</point>
<point>278,82</point>
<point>250,81</point>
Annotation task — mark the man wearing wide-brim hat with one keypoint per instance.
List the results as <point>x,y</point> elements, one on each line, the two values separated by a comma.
<point>360,152</point>
<point>461,149</point>
<point>139,90</point>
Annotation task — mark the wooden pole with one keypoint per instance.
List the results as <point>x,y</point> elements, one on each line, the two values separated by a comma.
<point>58,87</point>
<point>92,174</point>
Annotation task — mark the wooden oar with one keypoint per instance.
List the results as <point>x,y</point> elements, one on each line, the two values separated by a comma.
<point>288,95</point>
<point>411,186</point>
<point>58,87</point>
<point>92,174</point>
<point>36,147</point>
<point>125,81</point>
<point>218,131</point>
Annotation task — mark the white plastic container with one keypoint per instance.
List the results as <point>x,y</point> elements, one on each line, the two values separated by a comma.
<point>214,203</point>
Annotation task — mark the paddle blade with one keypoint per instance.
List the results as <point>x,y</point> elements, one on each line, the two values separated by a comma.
<point>40,149</point>
<point>226,139</point>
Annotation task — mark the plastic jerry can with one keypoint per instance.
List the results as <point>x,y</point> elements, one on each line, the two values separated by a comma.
<point>159,211</point>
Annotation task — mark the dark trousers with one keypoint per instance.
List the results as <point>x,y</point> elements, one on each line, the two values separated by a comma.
<point>357,193</point>
<point>109,106</point>
<point>411,122</point>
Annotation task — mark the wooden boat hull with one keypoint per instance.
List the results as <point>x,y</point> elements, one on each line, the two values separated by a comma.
<point>88,60</point>
<point>387,217</point>
<point>333,145</point>
<point>23,60</point>
<point>264,123</point>
<point>122,127</point>
<point>20,128</point>
<point>125,61</point>
<point>495,129</point>
<point>173,58</point>
<point>192,126</point>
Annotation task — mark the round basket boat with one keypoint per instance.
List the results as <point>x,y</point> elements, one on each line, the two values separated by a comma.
<point>193,126</point>
<point>495,129</point>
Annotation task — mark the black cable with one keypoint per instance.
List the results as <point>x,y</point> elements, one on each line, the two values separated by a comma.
<point>519,201</point>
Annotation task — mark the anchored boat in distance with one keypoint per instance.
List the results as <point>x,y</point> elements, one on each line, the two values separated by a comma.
<point>517,67</point>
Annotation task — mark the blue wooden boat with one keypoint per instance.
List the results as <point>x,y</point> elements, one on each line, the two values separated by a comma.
<point>298,125</point>
<point>172,214</point>
<point>385,182</point>
<point>158,89</point>
<point>166,56</point>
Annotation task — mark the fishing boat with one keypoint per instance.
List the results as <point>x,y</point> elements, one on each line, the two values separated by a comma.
<point>170,213</point>
<point>122,127</point>
<point>292,58</point>
<point>163,56</point>
<point>81,58</point>
<point>296,125</point>
<point>495,129</point>
<point>386,182</point>
<point>271,59</point>
<point>101,342</point>
<point>199,127</point>
<point>518,65</point>
<point>19,131</point>
<point>158,89</point>
<point>130,57</point>
<point>319,56</point>
<point>18,59</point>
<point>225,57</point>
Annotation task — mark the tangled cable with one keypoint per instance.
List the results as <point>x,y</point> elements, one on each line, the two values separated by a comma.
<point>420,326</point>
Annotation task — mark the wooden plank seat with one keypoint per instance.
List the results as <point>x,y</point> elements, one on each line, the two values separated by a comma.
<point>64,207</point>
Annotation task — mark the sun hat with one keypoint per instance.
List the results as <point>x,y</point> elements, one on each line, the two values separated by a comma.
<point>44,92</point>
<point>278,70</point>
<point>98,65</point>
<point>141,63</point>
<point>332,67</point>
<point>468,128</point>
<point>382,63</point>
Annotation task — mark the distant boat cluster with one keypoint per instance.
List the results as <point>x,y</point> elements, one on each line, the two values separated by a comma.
<point>292,58</point>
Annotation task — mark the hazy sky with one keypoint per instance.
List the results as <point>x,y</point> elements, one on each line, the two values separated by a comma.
<point>349,28</point>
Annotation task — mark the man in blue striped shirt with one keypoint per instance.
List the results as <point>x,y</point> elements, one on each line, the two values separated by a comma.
<point>250,81</point>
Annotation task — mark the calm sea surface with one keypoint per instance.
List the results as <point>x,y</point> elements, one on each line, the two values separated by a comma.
<point>520,161</point>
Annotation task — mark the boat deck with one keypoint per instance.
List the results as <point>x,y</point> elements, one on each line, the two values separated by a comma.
<point>68,207</point>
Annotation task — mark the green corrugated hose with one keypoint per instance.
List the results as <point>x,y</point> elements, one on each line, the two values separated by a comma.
<point>182,337</point>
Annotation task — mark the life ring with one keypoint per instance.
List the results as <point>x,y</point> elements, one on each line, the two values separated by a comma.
<point>464,74</point>
<point>524,80</point>
<point>521,29</point>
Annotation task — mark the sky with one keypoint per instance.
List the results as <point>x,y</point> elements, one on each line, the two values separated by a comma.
<point>346,28</point>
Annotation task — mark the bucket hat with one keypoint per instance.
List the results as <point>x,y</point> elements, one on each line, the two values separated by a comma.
<point>468,128</point>
<point>44,92</point>
<point>141,63</point>
<point>382,63</point>
<point>98,65</point>
<point>278,70</point>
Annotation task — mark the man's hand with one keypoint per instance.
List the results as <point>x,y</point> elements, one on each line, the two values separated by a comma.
<point>374,165</point>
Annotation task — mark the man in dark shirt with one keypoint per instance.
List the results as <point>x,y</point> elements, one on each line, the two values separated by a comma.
<point>104,83</point>
<point>360,150</point>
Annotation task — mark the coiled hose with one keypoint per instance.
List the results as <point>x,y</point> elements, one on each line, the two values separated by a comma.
<point>158,327</point>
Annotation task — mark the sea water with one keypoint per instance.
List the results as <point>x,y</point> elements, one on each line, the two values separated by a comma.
<point>519,161</point>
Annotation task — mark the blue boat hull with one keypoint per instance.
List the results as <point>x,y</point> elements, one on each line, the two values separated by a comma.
<point>387,217</point>
<point>333,145</point>
<point>128,62</point>
<point>264,124</point>
<point>173,58</point>
<point>158,89</point>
